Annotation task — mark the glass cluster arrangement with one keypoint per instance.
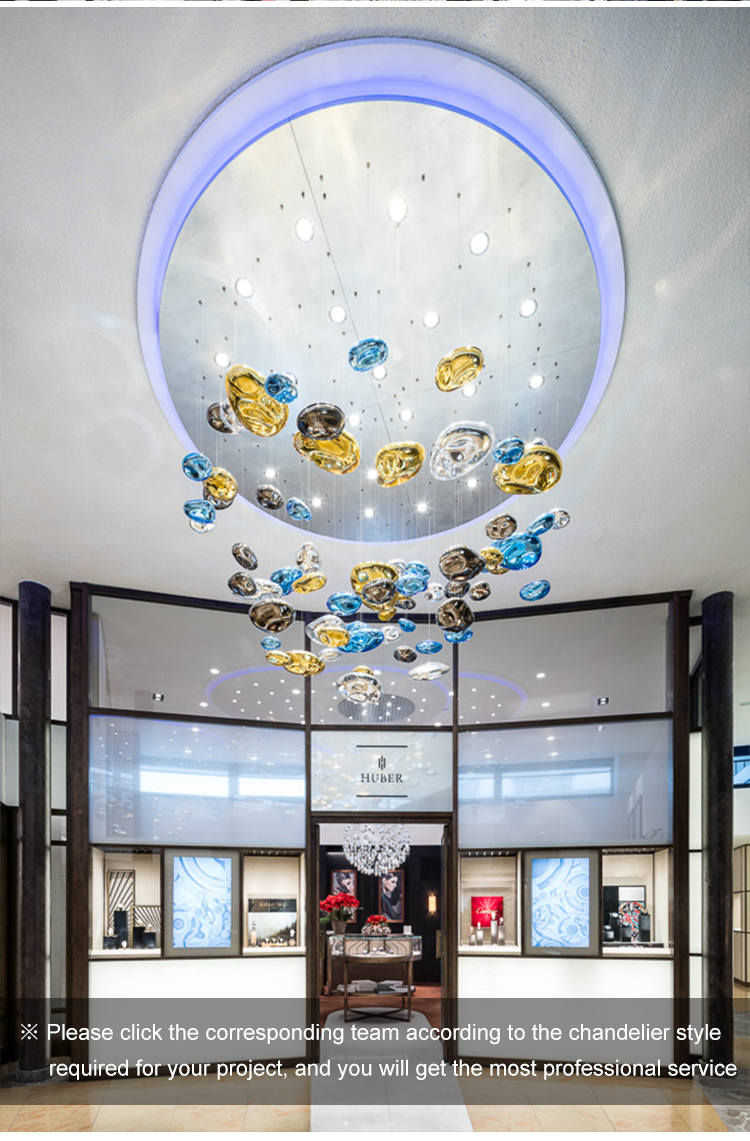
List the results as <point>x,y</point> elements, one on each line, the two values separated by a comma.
<point>375,849</point>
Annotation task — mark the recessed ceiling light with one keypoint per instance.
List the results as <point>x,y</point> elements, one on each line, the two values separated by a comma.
<point>214,671</point>
<point>243,287</point>
<point>472,483</point>
<point>406,414</point>
<point>469,390</point>
<point>221,359</point>
<point>372,474</point>
<point>479,242</point>
<point>421,508</point>
<point>398,208</point>
<point>550,738</point>
<point>380,372</point>
<point>355,419</point>
<point>553,754</point>
<point>369,512</point>
<point>270,473</point>
<point>304,229</point>
<point>541,676</point>
<point>316,501</point>
<point>337,313</point>
<point>431,319</point>
<point>545,704</point>
<point>204,705</point>
<point>536,381</point>
<point>528,307</point>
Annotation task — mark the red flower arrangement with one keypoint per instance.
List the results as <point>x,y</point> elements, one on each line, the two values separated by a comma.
<point>339,906</point>
<point>376,925</point>
<point>376,919</point>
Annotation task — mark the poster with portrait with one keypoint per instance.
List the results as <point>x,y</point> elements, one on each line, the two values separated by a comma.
<point>344,879</point>
<point>391,896</point>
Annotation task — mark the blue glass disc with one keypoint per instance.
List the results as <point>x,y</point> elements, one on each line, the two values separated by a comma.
<point>298,510</point>
<point>200,511</point>
<point>367,354</point>
<point>285,576</point>
<point>407,625</point>
<point>362,637</point>
<point>420,570</point>
<point>429,647</point>
<point>410,584</point>
<point>520,551</point>
<point>197,466</point>
<point>343,604</point>
<point>282,386</point>
<point>458,635</point>
<point>533,591</point>
<point>270,643</point>
<point>542,523</point>
<point>509,451</point>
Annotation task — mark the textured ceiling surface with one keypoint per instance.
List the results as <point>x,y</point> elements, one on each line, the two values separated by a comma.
<point>97,106</point>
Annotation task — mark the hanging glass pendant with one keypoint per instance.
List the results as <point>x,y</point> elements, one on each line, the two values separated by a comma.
<point>369,571</point>
<point>304,664</point>
<point>397,463</point>
<point>328,654</point>
<point>561,519</point>
<point>328,630</point>
<point>405,654</point>
<point>285,577</point>
<point>313,580</point>
<point>277,658</point>
<point>539,469</point>
<point>200,511</point>
<point>362,637</point>
<point>298,509</point>
<point>376,849</point>
<point>197,466</point>
<point>242,584</point>
<point>282,386</point>
<point>460,564</point>
<point>435,592</point>
<point>542,523</point>
<point>501,527</point>
<point>272,617</point>
<point>458,635</point>
<point>267,590</point>
<point>454,615</point>
<point>459,368</point>
<point>251,404</point>
<point>479,591</point>
<point>308,558</point>
<point>222,419</point>
<point>343,603</point>
<point>406,603</point>
<point>521,551</point>
<point>494,560</point>
<point>321,421</point>
<point>269,497</point>
<point>508,451</point>
<point>460,448</point>
<point>392,633</point>
<point>368,354</point>
<point>220,488</point>
<point>387,612</point>
<point>270,643</point>
<point>200,527</point>
<point>429,671</point>
<point>339,456</point>
<point>407,625</point>
<point>398,565</point>
<point>428,647</point>
<point>245,556</point>
<point>456,589</point>
<point>378,592</point>
<point>359,685</point>
<point>534,591</point>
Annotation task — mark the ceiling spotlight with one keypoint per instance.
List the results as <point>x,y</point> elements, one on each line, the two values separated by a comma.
<point>221,359</point>
<point>421,508</point>
<point>316,501</point>
<point>545,705</point>
<point>479,242</point>
<point>372,474</point>
<point>469,390</point>
<point>270,473</point>
<point>157,696</point>
<point>540,676</point>
<point>380,372</point>
<point>602,701</point>
<point>203,704</point>
<point>355,419</point>
<point>397,210</point>
<point>472,483</point>
<point>337,313</point>
<point>243,287</point>
<point>214,671</point>
<point>304,229</point>
<point>536,381</point>
<point>527,308</point>
<point>431,319</point>
<point>406,414</point>
<point>369,512</point>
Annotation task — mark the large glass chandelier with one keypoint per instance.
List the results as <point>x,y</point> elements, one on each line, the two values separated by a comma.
<point>375,849</point>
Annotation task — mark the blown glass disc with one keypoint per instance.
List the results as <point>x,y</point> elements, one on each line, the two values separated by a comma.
<point>533,591</point>
<point>429,671</point>
<point>456,589</point>
<point>200,511</point>
<point>405,654</point>
<point>368,354</point>
<point>458,635</point>
<point>369,571</point>
<point>298,509</point>
<point>313,580</point>
<point>460,448</point>
<point>245,556</point>
<point>303,663</point>
<point>561,519</point>
<point>359,686</point>
<point>460,563</point>
<point>338,456</point>
<point>272,617</point>
<point>328,630</point>
<point>429,647</point>
<point>197,466</point>
<point>521,551</point>
<point>343,603</point>
<point>392,633</point>
<point>270,643</point>
<point>222,419</point>
<point>435,592</point>
<point>494,560</point>
<point>243,584</point>
<point>277,658</point>
<point>220,486</point>
<point>307,557</point>
<point>459,368</point>
<point>542,523</point>
<point>501,527</point>
<point>269,497</point>
<point>508,451</point>
<point>251,404</point>
<point>282,386</point>
<point>362,637</point>
<point>454,615</point>
<point>479,591</point>
<point>397,463</point>
<point>407,625</point>
<point>285,577</point>
<point>321,421</point>
<point>538,470</point>
<point>378,592</point>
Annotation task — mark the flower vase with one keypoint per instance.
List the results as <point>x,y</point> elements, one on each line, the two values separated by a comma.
<point>339,926</point>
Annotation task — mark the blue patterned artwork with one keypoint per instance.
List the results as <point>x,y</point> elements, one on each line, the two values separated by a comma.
<point>560,902</point>
<point>202,902</point>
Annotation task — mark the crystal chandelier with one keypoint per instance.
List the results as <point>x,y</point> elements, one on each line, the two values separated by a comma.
<point>375,849</point>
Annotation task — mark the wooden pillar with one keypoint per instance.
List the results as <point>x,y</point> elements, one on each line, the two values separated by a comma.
<point>34,743</point>
<point>718,798</point>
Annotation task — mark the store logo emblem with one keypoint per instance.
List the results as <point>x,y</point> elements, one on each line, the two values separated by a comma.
<point>380,777</point>
<point>381,762</point>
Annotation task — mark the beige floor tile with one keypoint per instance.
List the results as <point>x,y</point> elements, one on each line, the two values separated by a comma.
<point>7,1115</point>
<point>54,1118</point>
<point>277,1119</point>
<point>701,1119</point>
<point>208,1119</point>
<point>646,1118</point>
<point>573,1119</point>
<point>503,1119</point>
<point>133,1119</point>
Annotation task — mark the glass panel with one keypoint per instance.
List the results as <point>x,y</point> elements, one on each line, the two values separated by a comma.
<point>361,771</point>
<point>59,828</point>
<point>58,765</point>
<point>272,903</point>
<point>695,839</point>
<point>403,700</point>
<point>126,911</point>
<point>57,919</point>
<point>168,782</point>
<point>201,910</point>
<point>608,784</point>
<point>562,889</point>
<point>180,659</point>
<point>59,670</point>
<point>489,902</point>
<point>636,893</point>
<point>696,902</point>
<point>6,658</point>
<point>561,665</point>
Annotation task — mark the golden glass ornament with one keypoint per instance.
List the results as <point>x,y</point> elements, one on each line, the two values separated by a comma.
<point>277,658</point>
<point>329,631</point>
<point>220,487</point>
<point>494,560</point>
<point>304,663</point>
<point>387,612</point>
<point>251,404</point>
<point>397,463</point>
<point>459,368</point>
<point>339,456</point>
<point>314,580</point>
<point>368,571</point>
<point>538,469</point>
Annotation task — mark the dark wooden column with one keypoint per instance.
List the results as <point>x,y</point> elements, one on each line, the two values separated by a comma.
<point>718,794</point>
<point>34,736</point>
<point>679,674</point>
<point>78,816</point>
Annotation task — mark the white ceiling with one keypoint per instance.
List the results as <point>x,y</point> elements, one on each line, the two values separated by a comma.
<point>99,102</point>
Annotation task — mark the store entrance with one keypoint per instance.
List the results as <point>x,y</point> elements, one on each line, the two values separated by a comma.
<point>412,898</point>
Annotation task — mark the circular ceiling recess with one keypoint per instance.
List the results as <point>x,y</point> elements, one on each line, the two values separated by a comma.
<point>407,226</point>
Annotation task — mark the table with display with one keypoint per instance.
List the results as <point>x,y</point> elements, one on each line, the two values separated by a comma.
<point>374,953</point>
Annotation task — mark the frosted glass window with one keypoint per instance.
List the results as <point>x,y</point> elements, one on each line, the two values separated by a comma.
<point>6,658</point>
<point>59,667</point>
<point>174,782</point>
<point>599,785</point>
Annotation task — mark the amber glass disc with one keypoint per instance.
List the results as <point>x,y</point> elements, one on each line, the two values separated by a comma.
<point>397,463</point>
<point>494,560</point>
<point>369,571</point>
<point>459,368</point>
<point>251,404</point>
<point>220,487</point>
<point>539,468</point>
<point>339,456</point>
<point>314,580</point>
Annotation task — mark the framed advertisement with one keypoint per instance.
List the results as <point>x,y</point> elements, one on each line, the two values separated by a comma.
<point>562,899</point>
<point>344,879</point>
<point>201,897</point>
<point>391,896</point>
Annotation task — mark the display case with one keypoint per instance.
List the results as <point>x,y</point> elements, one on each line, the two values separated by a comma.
<point>636,902</point>
<point>126,903</point>
<point>272,895</point>
<point>489,901</point>
<point>357,957</point>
